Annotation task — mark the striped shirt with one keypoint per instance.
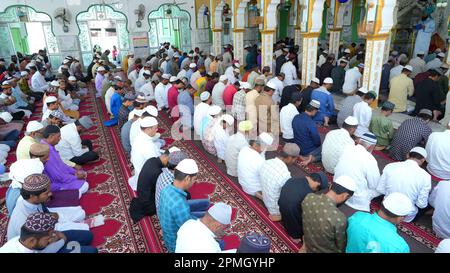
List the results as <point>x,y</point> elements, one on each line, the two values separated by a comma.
<point>238,109</point>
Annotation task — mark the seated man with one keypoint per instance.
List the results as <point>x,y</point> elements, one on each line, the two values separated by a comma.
<point>126,128</point>
<point>438,150</point>
<point>32,135</point>
<point>173,209</point>
<point>62,176</point>
<point>116,103</point>
<point>199,236</point>
<point>382,127</point>
<point>234,145</point>
<point>328,236</point>
<point>358,163</point>
<point>326,113</point>
<point>273,174</point>
<point>409,178</point>
<point>35,193</point>
<point>291,197</point>
<point>71,147</point>
<point>335,142</point>
<point>377,232</point>
<point>38,235</point>
<point>441,203</point>
<point>124,110</point>
<point>52,104</point>
<point>306,135</point>
<point>250,160</point>
<point>411,133</point>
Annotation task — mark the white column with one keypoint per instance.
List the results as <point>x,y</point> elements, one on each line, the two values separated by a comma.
<point>217,41</point>
<point>309,58</point>
<point>267,38</point>
<point>298,36</point>
<point>335,38</point>
<point>238,44</point>
<point>373,63</point>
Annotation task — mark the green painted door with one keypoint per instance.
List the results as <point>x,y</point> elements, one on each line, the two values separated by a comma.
<point>283,26</point>
<point>20,44</point>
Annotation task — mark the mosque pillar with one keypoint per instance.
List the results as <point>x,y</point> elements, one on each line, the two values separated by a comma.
<point>217,41</point>
<point>337,10</point>
<point>310,26</point>
<point>267,37</point>
<point>335,38</point>
<point>238,44</point>
<point>216,24</point>
<point>377,27</point>
<point>298,36</point>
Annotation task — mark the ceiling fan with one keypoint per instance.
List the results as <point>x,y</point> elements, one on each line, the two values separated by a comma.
<point>174,3</point>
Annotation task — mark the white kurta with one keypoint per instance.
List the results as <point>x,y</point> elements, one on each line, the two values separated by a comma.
<point>66,101</point>
<point>333,147</point>
<point>363,113</point>
<point>360,165</point>
<point>423,37</point>
<point>418,65</point>
<point>409,178</point>
<point>108,95</point>
<point>234,145</point>
<point>70,144</point>
<point>287,114</point>
<point>249,164</point>
<point>395,71</point>
<point>200,111</point>
<point>194,237</point>
<point>133,76</point>
<point>140,82</point>
<point>438,150</point>
<point>273,175</point>
<point>441,203</point>
<point>38,83</point>
<point>279,89</point>
<point>435,63</point>
<point>217,95</point>
<point>290,73</point>
<point>221,137</point>
<point>68,216</point>
<point>143,148</point>
<point>148,91</point>
<point>161,91</point>
<point>230,75</point>
<point>15,246</point>
<point>352,80</point>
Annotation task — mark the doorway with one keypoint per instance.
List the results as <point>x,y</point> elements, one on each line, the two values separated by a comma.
<point>103,27</point>
<point>170,24</point>
<point>24,30</point>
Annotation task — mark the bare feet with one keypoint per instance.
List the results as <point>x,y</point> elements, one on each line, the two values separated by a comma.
<point>305,161</point>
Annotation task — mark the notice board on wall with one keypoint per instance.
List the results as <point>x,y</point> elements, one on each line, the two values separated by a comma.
<point>141,46</point>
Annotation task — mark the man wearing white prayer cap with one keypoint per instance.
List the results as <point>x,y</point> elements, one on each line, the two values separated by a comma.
<point>143,147</point>
<point>222,134</point>
<point>409,178</point>
<point>161,91</point>
<point>174,210</point>
<point>201,111</point>
<point>200,236</point>
<point>377,232</point>
<point>18,171</point>
<point>317,237</point>
<point>33,135</point>
<point>335,142</point>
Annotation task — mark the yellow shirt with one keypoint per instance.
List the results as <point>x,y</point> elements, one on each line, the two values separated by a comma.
<point>125,64</point>
<point>23,148</point>
<point>401,88</point>
<point>201,84</point>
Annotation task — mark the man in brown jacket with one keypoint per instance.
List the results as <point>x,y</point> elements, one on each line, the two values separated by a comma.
<point>268,114</point>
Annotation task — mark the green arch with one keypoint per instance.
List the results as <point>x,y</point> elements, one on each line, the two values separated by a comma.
<point>30,7</point>
<point>94,5</point>
<point>168,4</point>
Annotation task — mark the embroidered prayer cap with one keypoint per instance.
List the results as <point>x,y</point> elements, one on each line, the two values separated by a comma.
<point>34,126</point>
<point>20,169</point>
<point>39,149</point>
<point>192,65</point>
<point>57,114</point>
<point>352,121</point>
<point>101,68</point>
<point>322,178</point>
<point>223,78</point>
<point>214,110</point>
<point>176,157</point>
<point>54,83</point>
<point>369,138</point>
<point>426,112</point>
<point>36,182</point>
<point>420,151</point>
<point>291,149</point>
<point>363,90</point>
<point>388,105</point>
<point>41,222</point>
<point>316,80</point>
<point>204,96</point>
<point>372,94</point>
<point>50,99</point>
<point>254,243</point>
<point>266,138</point>
<point>86,122</point>
<point>245,126</point>
<point>187,166</point>
<point>328,80</point>
<point>361,65</point>
<point>221,212</point>
<point>315,104</point>
<point>148,122</point>
<point>398,204</point>
<point>346,182</point>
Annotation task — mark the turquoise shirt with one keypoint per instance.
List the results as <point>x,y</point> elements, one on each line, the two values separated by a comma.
<point>369,233</point>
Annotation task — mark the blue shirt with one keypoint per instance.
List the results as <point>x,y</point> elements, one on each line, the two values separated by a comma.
<point>116,103</point>
<point>369,233</point>
<point>306,135</point>
<point>125,136</point>
<point>173,212</point>
<point>185,99</point>
<point>326,104</point>
<point>19,100</point>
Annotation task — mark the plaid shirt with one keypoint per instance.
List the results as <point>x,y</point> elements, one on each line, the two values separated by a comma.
<point>411,133</point>
<point>123,115</point>
<point>165,179</point>
<point>238,108</point>
<point>173,212</point>
<point>273,174</point>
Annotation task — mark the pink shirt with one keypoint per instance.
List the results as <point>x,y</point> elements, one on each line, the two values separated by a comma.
<point>228,94</point>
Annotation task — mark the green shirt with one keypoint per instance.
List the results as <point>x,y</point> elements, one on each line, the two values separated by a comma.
<point>369,233</point>
<point>324,226</point>
<point>338,76</point>
<point>383,129</point>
